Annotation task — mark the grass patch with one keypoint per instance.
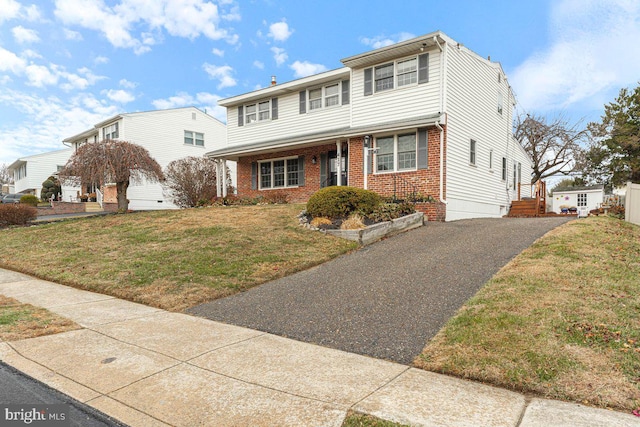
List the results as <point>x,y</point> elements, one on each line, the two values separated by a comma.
<point>360,420</point>
<point>170,259</point>
<point>561,320</point>
<point>21,321</point>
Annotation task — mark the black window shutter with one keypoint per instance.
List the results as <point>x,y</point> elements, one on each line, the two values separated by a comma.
<point>345,92</point>
<point>274,108</point>
<point>301,171</point>
<point>303,101</point>
<point>368,81</point>
<point>423,68</point>
<point>240,116</point>
<point>254,175</point>
<point>323,170</point>
<point>422,149</point>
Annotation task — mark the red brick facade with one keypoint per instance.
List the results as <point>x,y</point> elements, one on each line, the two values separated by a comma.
<point>425,181</point>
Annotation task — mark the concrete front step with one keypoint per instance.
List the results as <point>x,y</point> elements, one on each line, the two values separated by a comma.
<point>92,207</point>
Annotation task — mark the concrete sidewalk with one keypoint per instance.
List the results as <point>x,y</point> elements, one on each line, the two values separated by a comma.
<point>148,367</point>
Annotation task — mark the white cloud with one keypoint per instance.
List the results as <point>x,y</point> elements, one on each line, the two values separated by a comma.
<point>217,52</point>
<point>127,84</point>
<point>203,100</point>
<point>101,60</point>
<point>32,13</point>
<point>280,31</point>
<point>259,65</point>
<point>121,24</point>
<point>279,55</point>
<point>594,52</point>
<point>382,41</point>
<point>72,35</point>
<point>306,68</point>
<point>120,96</point>
<point>40,76</point>
<point>24,35</point>
<point>46,122</point>
<point>222,74</point>
<point>9,9</point>
<point>9,61</point>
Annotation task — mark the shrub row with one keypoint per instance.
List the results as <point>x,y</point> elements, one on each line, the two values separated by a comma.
<point>16,214</point>
<point>337,202</point>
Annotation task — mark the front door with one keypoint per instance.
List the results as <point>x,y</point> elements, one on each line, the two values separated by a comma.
<point>333,168</point>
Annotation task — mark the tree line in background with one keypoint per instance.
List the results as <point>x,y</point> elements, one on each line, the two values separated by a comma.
<point>605,152</point>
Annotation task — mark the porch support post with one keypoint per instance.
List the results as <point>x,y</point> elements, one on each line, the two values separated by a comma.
<point>223,181</point>
<point>339,163</point>
<point>218,180</point>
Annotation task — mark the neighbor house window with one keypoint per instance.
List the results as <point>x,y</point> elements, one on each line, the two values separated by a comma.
<point>582,199</point>
<point>472,152</point>
<point>504,168</point>
<point>280,173</point>
<point>194,138</point>
<point>396,153</point>
<point>110,132</point>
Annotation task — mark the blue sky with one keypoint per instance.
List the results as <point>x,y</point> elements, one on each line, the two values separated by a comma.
<point>68,64</point>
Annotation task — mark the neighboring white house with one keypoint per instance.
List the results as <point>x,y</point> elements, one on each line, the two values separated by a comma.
<point>168,135</point>
<point>426,116</point>
<point>30,172</point>
<point>577,197</point>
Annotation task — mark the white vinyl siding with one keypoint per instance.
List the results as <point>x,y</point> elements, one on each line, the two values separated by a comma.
<point>37,169</point>
<point>290,122</point>
<point>402,103</point>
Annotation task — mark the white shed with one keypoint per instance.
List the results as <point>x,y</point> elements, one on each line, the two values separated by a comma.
<point>577,197</point>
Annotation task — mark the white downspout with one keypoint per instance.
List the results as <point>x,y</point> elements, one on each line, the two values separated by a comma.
<point>443,88</point>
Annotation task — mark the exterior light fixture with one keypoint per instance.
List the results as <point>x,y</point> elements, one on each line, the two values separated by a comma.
<point>314,160</point>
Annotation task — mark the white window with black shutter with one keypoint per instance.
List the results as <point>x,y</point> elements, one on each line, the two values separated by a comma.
<point>256,112</point>
<point>400,153</point>
<point>397,74</point>
<point>328,96</point>
<point>277,173</point>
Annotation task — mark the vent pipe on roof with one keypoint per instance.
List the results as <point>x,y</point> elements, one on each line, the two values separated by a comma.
<point>273,80</point>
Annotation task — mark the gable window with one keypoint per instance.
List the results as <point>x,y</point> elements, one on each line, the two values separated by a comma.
<point>472,152</point>
<point>110,132</point>
<point>582,199</point>
<point>396,153</point>
<point>194,138</point>
<point>280,173</point>
<point>504,168</point>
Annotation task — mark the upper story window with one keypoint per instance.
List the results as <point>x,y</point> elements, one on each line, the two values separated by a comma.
<point>260,111</point>
<point>499,102</point>
<point>400,73</point>
<point>330,95</point>
<point>504,168</point>
<point>110,132</point>
<point>194,138</point>
<point>472,152</point>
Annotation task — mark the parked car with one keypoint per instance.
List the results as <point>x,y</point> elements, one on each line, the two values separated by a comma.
<point>12,198</point>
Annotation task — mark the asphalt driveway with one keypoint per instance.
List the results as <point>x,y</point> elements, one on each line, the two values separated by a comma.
<point>388,299</point>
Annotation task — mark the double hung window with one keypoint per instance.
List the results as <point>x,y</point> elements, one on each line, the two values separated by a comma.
<point>396,153</point>
<point>280,173</point>
<point>194,138</point>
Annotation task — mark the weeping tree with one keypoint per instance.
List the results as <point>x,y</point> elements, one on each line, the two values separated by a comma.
<point>111,161</point>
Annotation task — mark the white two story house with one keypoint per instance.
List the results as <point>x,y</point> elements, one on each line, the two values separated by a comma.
<point>425,116</point>
<point>168,135</point>
<point>30,172</point>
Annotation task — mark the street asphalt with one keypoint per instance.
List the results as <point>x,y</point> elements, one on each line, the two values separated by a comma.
<point>22,391</point>
<point>388,299</point>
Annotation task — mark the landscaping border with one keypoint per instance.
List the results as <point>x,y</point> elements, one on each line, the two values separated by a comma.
<point>375,232</point>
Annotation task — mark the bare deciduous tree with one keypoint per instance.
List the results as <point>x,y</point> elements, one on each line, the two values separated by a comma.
<point>5,176</point>
<point>554,146</point>
<point>111,161</point>
<point>190,180</point>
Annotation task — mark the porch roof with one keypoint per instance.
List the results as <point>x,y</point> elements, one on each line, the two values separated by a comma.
<point>319,138</point>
